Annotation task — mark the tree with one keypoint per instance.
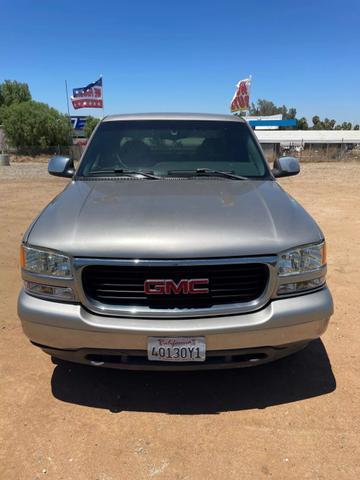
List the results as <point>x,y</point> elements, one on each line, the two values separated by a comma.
<point>356,127</point>
<point>291,113</point>
<point>263,107</point>
<point>12,92</point>
<point>302,124</point>
<point>91,123</point>
<point>317,124</point>
<point>325,124</point>
<point>329,124</point>
<point>267,107</point>
<point>346,126</point>
<point>2,111</point>
<point>36,124</point>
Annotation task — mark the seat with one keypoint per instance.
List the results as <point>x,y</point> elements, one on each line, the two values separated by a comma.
<point>136,153</point>
<point>211,149</point>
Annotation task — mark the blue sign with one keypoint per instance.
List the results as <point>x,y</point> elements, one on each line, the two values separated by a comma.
<point>273,123</point>
<point>78,123</point>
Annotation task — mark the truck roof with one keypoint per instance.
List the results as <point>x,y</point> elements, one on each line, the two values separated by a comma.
<point>173,116</point>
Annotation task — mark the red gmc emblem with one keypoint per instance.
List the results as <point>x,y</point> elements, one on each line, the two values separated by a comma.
<point>169,287</point>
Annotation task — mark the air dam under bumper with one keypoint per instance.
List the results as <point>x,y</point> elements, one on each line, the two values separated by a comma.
<point>71,327</point>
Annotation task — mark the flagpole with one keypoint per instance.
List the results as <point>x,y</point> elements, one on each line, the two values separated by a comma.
<point>102,83</point>
<point>67,98</point>
<point>68,109</point>
<point>250,78</point>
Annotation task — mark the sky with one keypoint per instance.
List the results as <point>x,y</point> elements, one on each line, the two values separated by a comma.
<point>187,55</point>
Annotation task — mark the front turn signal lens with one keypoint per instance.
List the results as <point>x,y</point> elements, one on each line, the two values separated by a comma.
<point>49,291</point>
<point>22,256</point>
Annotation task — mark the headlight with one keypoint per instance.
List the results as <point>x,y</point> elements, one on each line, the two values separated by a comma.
<point>35,260</point>
<point>301,269</point>
<point>309,258</point>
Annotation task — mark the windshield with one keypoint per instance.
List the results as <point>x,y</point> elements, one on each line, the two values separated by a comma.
<point>173,148</point>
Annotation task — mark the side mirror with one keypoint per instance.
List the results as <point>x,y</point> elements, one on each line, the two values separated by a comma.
<point>285,167</point>
<point>61,166</point>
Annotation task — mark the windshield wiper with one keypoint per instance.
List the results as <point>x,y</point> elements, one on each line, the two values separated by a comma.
<point>210,171</point>
<point>123,171</point>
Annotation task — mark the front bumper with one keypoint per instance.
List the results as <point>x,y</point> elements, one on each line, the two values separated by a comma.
<point>60,326</point>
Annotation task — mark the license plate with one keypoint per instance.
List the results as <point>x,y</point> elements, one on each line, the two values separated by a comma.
<point>176,349</point>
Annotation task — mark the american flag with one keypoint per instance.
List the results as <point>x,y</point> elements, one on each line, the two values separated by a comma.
<point>90,96</point>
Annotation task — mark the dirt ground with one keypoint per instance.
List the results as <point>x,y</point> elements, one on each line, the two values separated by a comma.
<point>297,418</point>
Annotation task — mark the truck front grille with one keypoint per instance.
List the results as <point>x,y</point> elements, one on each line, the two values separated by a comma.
<point>124,285</point>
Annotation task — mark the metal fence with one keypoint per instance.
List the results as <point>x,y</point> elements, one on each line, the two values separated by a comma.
<point>40,154</point>
<point>316,152</point>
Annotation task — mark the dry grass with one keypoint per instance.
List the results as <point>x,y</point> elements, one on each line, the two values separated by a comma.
<point>29,159</point>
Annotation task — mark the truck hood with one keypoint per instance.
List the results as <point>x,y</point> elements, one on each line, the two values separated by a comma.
<point>185,218</point>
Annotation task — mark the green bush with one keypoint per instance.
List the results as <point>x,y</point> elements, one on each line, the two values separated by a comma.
<point>35,124</point>
<point>12,91</point>
<point>91,123</point>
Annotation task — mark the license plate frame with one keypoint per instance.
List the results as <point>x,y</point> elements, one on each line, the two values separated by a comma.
<point>176,349</point>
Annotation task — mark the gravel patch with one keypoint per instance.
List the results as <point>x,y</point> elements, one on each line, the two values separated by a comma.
<point>24,171</point>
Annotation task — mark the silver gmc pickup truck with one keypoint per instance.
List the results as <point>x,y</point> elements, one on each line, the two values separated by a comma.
<point>173,247</point>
